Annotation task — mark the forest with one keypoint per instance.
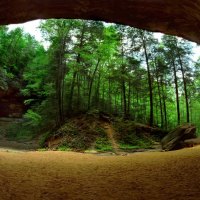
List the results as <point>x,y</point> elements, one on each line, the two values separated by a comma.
<point>92,66</point>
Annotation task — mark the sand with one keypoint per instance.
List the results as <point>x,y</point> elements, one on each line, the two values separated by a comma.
<point>68,176</point>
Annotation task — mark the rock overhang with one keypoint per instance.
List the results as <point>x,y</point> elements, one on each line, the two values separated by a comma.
<point>177,17</point>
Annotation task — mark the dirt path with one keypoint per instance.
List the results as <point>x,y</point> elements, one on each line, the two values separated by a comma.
<point>110,133</point>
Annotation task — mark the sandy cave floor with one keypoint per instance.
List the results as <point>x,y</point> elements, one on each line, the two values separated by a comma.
<point>68,176</point>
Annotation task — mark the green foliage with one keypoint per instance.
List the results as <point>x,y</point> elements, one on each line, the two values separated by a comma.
<point>103,144</point>
<point>42,149</point>
<point>19,132</point>
<point>128,147</point>
<point>91,66</point>
<point>32,118</point>
<point>43,139</point>
<point>130,136</point>
<point>98,69</point>
<point>64,147</point>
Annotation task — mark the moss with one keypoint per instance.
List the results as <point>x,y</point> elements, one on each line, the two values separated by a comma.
<point>63,148</point>
<point>103,144</point>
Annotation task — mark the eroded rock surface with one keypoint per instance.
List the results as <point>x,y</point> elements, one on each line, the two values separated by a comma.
<point>177,17</point>
<point>11,103</point>
<point>175,139</point>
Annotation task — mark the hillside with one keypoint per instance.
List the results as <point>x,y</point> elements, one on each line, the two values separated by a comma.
<point>95,132</point>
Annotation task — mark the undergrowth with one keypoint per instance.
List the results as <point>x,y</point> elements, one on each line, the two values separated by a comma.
<point>19,132</point>
<point>129,137</point>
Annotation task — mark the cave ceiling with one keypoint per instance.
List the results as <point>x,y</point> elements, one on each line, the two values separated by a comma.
<point>177,17</point>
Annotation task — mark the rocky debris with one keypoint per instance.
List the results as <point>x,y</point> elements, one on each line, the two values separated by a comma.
<point>150,131</point>
<point>181,18</point>
<point>191,142</point>
<point>105,117</point>
<point>175,139</point>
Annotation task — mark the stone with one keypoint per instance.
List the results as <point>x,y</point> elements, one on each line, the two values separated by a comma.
<point>191,142</point>
<point>174,139</point>
<point>11,103</point>
<point>177,17</point>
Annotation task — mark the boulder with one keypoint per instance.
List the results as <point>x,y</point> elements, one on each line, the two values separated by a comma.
<point>174,139</point>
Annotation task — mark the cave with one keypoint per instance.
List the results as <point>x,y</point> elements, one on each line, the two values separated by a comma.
<point>178,17</point>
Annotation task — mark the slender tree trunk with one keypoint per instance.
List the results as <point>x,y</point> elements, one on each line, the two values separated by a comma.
<point>79,93</point>
<point>156,112</point>
<point>129,98</point>
<point>160,102</point>
<point>164,104</point>
<point>185,90</point>
<point>149,81</point>
<point>121,101</point>
<point>97,95</point>
<point>91,83</point>
<point>124,98</point>
<point>191,111</point>
<point>103,96</point>
<point>116,103</point>
<point>177,94</point>
<point>61,70</point>
<point>109,96</point>
<point>138,109</point>
<point>72,92</point>
<point>78,61</point>
<point>159,95</point>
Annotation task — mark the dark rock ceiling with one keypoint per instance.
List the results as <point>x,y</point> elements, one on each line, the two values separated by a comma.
<point>176,17</point>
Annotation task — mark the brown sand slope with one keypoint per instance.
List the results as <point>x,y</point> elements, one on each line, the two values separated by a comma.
<point>62,175</point>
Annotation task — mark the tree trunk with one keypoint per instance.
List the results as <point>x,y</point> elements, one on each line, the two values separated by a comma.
<point>97,94</point>
<point>72,92</point>
<point>78,60</point>
<point>159,95</point>
<point>91,83</point>
<point>149,82</point>
<point>61,70</point>
<point>78,94</point>
<point>185,90</point>
<point>164,104</point>
<point>109,95</point>
<point>177,94</point>
<point>129,98</point>
<point>124,98</point>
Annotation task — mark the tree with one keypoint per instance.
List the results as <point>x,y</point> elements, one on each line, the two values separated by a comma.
<point>58,32</point>
<point>170,54</point>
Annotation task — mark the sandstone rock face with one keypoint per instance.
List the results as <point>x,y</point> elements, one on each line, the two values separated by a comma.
<point>175,139</point>
<point>11,104</point>
<point>177,17</point>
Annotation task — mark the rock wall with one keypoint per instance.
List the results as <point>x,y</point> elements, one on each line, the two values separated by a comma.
<point>177,17</point>
<point>11,103</point>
